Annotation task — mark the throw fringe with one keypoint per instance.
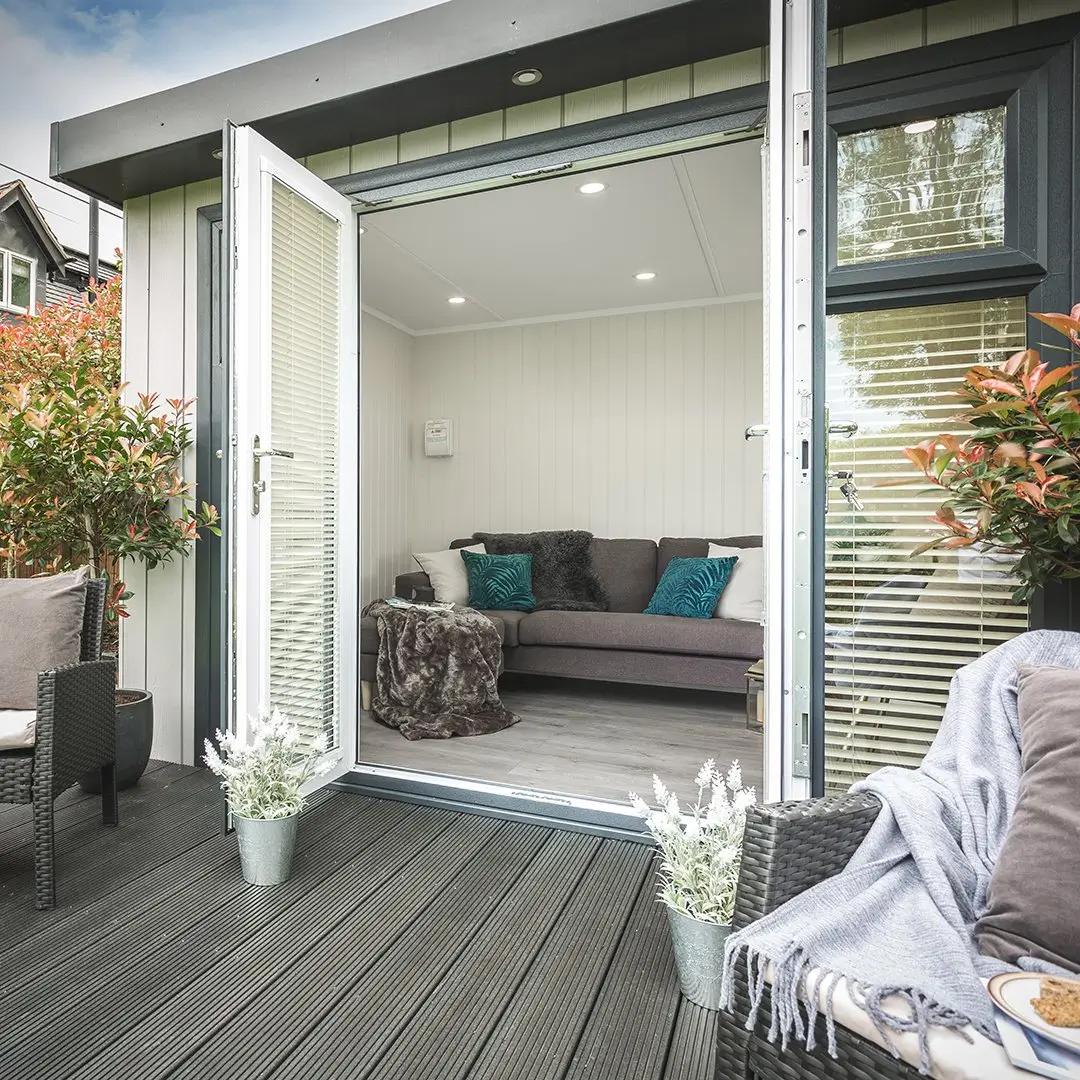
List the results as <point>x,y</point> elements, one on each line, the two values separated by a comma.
<point>796,982</point>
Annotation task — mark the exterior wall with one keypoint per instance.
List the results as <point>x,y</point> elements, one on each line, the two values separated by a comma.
<point>160,273</point>
<point>16,236</point>
<point>157,641</point>
<point>626,425</point>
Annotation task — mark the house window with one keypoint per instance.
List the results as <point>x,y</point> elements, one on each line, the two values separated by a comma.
<point>17,286</point>
<point>924,187</point>
<point>899,625</point>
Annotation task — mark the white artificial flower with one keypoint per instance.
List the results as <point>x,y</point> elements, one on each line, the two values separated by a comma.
<point>734,776</point>
<point>706,773</point>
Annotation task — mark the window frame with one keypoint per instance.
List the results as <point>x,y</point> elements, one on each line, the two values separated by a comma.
<point>5,303</point>
<point>1035,179</point>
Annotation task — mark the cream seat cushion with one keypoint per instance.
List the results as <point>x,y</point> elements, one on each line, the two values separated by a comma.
<point>743,597</point>
<point>18,728</point>
<point>952,1055</point>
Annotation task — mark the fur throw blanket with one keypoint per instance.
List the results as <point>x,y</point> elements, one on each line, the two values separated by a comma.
<point>563,577</point>
<point>437,672</point>
<point>898,920</point>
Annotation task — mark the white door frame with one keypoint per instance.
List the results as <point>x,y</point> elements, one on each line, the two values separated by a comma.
<point>795,323</point>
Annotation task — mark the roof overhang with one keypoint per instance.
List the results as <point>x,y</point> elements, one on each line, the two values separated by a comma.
<point>442,63</point>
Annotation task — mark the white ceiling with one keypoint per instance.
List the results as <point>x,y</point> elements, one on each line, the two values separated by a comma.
<point>538,250</point>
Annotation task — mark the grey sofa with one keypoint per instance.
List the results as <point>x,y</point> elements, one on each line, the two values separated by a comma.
<point>621,644</point>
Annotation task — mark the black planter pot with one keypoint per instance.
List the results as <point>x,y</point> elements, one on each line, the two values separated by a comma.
<point>134,737</point>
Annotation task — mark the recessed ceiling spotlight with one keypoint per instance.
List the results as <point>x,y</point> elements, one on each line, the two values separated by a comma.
<point>455,299</point>
<point>883,245</point>
<point>593,187</point>
<point>644,275</point>
<point>527,77</point>
<point>916,127</point>
<point>218,153</point>
<point>363,229</point>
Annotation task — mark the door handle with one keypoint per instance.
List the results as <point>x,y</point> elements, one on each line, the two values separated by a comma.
<point>258,484</point>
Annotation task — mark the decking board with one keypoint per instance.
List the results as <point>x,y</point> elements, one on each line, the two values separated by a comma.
<point>411,943</point>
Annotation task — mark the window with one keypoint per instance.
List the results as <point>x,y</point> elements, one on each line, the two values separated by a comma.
<point>921,188</point>
<point>899,626</point>
<point>17,285</point>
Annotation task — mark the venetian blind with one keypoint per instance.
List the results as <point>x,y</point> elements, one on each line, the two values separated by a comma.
<point>304,375</point>
<point>922,188</point>
<point>899,625</point>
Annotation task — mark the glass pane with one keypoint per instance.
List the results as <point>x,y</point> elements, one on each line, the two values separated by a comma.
<point>3,278</point>
<point>304,369</point>
<point>926,187</point>
<point>20,283</point>
<point>897,625</point>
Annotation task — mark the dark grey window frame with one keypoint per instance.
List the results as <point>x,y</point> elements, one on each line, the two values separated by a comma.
<point>1027,91</point>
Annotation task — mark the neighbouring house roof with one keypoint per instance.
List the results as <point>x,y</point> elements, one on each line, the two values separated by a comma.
<point>445,62</point>
<point>72,283</point>
<point>14,195</point>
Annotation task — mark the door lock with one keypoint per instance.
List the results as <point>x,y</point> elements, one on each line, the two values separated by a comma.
<point>849,489</point>
<point>258,484</point>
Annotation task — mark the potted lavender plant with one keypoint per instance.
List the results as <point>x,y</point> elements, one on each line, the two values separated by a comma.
<point>699,852</point>
<point>263,782</point>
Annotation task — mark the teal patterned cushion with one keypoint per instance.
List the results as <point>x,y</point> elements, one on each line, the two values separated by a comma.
<point>500,582</point>
<point>691,587</point>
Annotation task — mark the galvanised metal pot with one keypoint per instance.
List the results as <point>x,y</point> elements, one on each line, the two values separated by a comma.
<point>266,848</point>
<point>699,957</point>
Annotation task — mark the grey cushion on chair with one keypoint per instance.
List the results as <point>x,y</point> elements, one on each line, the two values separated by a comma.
<point>40,628</point>
<point>1032,907</point>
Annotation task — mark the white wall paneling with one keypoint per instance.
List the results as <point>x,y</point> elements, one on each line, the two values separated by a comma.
<point>626,425</point>
<point>384,545</point>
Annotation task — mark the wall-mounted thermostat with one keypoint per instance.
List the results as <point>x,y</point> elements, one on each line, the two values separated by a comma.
<point>438,438</point>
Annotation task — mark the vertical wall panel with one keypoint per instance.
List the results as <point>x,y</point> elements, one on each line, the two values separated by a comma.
<point>533,117</point>
<point>384,548</point>
<point>659,88</point>
<point>136,353</point>
<point>332,163</point>
<point>594,104</point>
<point>729,72</point>
<point>627,425</point>
<point>165,377</point>
<point>374,155</point>
<point>477,130</point>
<point>424,143</point>
<point>883,36</point>
<point>962,18</point>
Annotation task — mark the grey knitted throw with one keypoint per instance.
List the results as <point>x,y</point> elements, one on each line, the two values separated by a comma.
<point>898,919</point>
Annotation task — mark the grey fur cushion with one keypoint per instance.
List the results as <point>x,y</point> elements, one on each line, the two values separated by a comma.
<point>563,575</point>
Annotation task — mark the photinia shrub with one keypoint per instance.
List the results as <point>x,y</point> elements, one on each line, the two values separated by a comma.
<point>87,477</point>
<point>1013,486</point>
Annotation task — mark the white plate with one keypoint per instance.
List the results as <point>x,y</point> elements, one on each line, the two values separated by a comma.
<point>1012,993</point>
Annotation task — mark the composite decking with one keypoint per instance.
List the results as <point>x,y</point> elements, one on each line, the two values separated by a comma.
<point>411,943</point>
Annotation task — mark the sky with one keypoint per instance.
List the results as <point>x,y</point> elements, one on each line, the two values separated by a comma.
<point>70,57</point>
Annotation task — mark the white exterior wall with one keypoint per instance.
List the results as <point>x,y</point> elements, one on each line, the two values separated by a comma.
<point>160,278</point>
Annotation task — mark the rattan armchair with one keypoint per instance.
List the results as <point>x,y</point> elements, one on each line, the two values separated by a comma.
<point>787,848</point>
<point>76,732</point>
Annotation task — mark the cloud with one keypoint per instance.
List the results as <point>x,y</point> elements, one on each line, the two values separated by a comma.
<point>75,56</point>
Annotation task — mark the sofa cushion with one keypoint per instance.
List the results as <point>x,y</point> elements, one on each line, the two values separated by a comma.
<point>695,547</point>
<point>41,623</point>
<point>691,587</point>
<point>1032,907</point>
<point>509,621</point>
<point>369,631</point>
<point>499,582</point>
<point>446,572</point>
<point>643,633</point>
<point>627,570</point>
<point>744,595</point>
<point>18,728</point>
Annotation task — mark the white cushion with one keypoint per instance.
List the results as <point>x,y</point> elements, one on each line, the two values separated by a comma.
<point>743,597</point>
<point>954,1055</point>
<point>446,571</point>
<point>18,728</point>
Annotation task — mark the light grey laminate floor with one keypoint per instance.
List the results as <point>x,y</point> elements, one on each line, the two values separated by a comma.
<point>598,740</point>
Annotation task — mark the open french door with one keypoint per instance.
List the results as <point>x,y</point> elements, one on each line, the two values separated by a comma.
<point>294,417</point>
